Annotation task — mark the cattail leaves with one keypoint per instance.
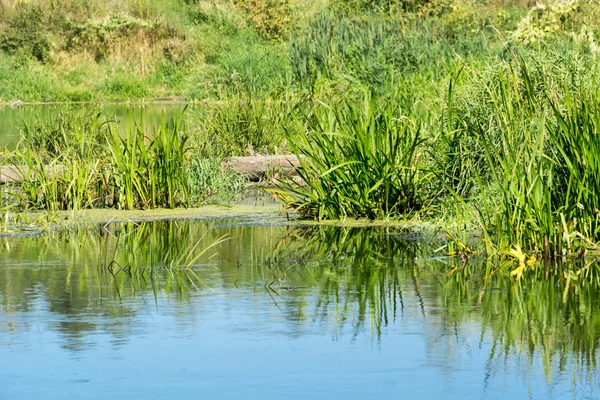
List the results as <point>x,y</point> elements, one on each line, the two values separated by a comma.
<point>358,161</point>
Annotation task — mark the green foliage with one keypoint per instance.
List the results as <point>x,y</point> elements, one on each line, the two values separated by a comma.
<point>241,66</point>
<point>376,50</point>
<point>124,86</point>
<point>27,33</point>
<point>379,5</point>
<point>149,172</point>
<point>270,18</point>
<point>79,160</point>
<point>555,16</point>
<point>243,127</point>
<point>99,37</point>
<point>70,133</point>
<point>575,141</point>
<point>454,120</point>
<point>541,155</point>
<point>210,182</point>
<point>358,161</point>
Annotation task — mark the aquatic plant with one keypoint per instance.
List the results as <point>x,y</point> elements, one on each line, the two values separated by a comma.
<point>81,169</point>
<point>541,159</point>
<point>70,131</point>
<point>358,161</point>
<point>244,127</point>
<point>149,171</point>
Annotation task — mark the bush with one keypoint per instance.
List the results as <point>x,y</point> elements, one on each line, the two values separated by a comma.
<point>100,36</point>
<point>555,16</point>
<point>379,5</point>
<point>124,87</point>
<point>243,127</point>
<point>210,182</point>
<point>270,18</point>
<point>27,32</point>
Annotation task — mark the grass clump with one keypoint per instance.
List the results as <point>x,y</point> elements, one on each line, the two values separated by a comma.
<point>537,194</point>
<point>244,127</point>
<point>149,171</point>
<point>359,161</point>
<point>80,159</point>
<point>68,132</point>
<point>211,182</point>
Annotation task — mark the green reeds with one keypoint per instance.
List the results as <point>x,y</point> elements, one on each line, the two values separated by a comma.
<point>131,171</point>
<point>211,182</point>
<point>149,171</point>
<point>575,139</point>
<point>61,184</point>
<point>243,127</point>
<point>513,142</point>
<point>540,193</point>
<point>66,132</point>
<point>358,161</point>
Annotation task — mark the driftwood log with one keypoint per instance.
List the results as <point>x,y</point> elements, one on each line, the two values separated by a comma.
<point>255,167</point>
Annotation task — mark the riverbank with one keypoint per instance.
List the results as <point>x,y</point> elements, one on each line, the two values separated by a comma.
<point>481,114</point>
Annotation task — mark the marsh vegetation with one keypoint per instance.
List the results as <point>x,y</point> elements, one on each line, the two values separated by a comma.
<point>467,131</point>
<point>480,116</point>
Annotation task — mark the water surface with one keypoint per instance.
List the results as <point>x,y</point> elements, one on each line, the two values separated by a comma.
<point>152,311</point>
<point>125,114</point>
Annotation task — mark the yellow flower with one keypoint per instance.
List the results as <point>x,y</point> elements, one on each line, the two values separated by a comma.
<point>518,254</point>
<point>518,272</point>
<point>531,262</point>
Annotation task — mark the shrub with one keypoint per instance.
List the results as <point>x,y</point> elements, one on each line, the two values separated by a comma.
<point>554,16</point>
<point>210,182</point>
<point>270,18</point>
<point>27,32</point>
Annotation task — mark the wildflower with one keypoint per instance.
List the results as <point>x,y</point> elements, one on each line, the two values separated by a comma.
<point>518,272</point>
<point>518,254</point>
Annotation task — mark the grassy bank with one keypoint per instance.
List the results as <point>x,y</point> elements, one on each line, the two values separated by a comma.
<point>97,51</point>
<point>216,49</point>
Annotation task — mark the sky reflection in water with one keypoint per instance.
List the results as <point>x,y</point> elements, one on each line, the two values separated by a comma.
<point>279,312</point>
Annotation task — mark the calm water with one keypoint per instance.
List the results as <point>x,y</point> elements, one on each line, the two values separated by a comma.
<point>139,312</point>
<point>12,119</point>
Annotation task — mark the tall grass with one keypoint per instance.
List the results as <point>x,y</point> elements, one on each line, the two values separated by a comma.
<point>149,171</point>
<point>243,127</point>
<point>210,182</point>
<point>66,132</point>
<point>358,161</point>
<point>524,160</point>
<point>98,166</point>
<point>540,148</point>
<point>575,136</point>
